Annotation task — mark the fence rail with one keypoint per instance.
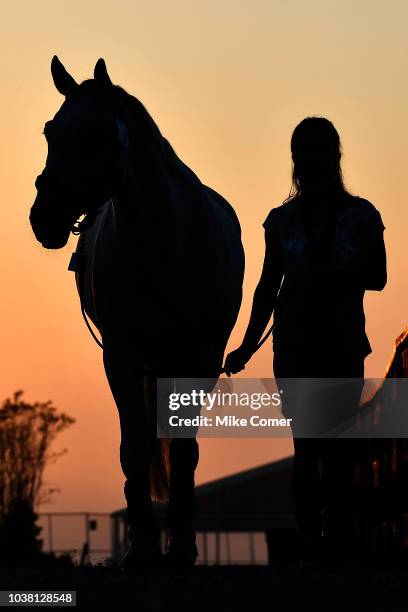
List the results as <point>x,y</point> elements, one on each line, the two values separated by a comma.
<point>89,525</point>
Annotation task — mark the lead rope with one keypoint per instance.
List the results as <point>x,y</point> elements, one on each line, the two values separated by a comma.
<point>260,343</point>
<point>76,264</point>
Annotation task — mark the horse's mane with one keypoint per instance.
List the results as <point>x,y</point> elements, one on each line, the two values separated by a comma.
<point>140,119</point>
<point>149,146</point>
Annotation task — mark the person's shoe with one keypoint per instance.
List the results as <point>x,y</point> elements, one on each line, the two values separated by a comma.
<point>181,550</point>
<point>144,552</point>
<point>333,564</point>
<point>334,552</point>
<point>333,559</point>
<point>311,553</point>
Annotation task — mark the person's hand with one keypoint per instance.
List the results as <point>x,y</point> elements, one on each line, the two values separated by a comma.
<point>236,360</point>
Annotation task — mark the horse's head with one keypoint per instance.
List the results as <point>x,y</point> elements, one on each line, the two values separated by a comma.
<point>85,141</point>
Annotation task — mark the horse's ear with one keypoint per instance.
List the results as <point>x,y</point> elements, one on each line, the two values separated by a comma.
<point>101,74</point>
<point>63,81</point>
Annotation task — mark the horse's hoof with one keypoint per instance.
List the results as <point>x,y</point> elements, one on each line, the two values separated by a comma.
<point>144,552</point>
<point>133,562</point>
<point>181,552</point>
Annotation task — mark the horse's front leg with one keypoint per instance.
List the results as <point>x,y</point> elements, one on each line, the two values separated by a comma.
<point>181,549</point>
<point>126,381</point>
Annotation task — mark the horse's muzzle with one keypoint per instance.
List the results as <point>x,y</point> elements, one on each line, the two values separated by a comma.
<point>47,229</point>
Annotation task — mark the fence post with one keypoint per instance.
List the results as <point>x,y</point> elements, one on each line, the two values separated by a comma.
<point>50,541</point>
<point>205,547</point>
<point>87,531</point>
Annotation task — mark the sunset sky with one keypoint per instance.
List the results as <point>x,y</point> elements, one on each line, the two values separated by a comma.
<point>227,82</point>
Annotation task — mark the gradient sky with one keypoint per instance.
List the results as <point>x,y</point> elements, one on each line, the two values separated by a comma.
<point>227,82</point>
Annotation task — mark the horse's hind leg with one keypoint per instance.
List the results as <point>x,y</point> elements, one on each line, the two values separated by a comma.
<point>136,450</point>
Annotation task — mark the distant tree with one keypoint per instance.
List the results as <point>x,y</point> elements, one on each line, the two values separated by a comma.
<point>26,434</point>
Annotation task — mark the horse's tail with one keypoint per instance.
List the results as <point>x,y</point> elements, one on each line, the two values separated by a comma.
<point>160,462</point>
<point>160,470</point>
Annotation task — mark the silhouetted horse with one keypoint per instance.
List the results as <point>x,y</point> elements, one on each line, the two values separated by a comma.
<point>161,278</point>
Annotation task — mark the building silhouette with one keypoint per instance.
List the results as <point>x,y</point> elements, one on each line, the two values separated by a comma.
<point>381,477</point>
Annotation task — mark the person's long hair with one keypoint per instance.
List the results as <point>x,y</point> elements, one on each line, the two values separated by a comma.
<point>322,130</point>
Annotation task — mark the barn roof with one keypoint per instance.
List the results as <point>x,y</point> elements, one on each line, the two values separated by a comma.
<point>252,500</point>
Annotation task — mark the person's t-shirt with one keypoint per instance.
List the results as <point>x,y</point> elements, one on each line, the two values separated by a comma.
<point>317,305</point>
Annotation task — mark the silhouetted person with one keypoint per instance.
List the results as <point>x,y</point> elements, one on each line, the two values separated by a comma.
<point>324,248</point>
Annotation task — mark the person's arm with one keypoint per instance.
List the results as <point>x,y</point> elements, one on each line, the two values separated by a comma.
<point>263,303</point>
<point>265,295</point>
<point>367,267</point>
<point>371,270</point>
<point>361,261</point>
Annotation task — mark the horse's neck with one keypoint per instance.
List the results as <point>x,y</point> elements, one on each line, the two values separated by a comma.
<point>164,207</point>
<point>144,221</point>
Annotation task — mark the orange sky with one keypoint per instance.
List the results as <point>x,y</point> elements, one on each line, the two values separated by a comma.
<point>227,82</point>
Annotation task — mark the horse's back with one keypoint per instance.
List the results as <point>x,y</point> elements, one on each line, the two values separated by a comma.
<point>224,205</point>
<point>225,241</point>
<point>213,260</point>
